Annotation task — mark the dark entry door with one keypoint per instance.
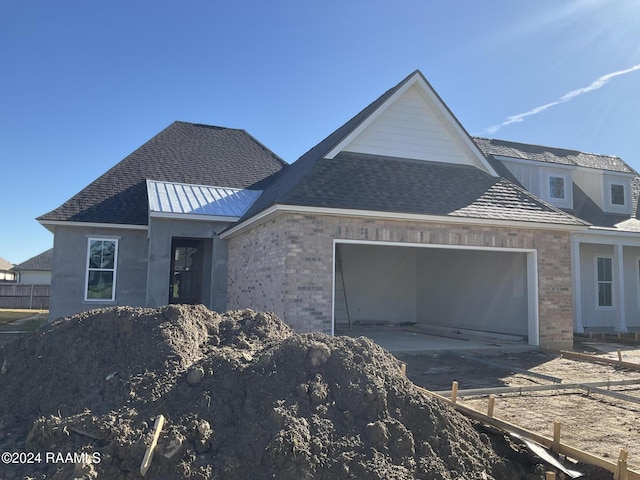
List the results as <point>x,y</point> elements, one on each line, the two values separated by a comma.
<point>185,284</point>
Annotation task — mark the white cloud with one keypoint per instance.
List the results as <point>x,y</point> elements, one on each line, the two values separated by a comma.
<point>595,85</point>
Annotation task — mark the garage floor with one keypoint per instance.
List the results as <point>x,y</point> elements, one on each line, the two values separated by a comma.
<point>413,340</point>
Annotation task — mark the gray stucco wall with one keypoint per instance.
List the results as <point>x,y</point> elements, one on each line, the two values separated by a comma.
<point>143,268</point>
<point>214,281</point>
<point>70,262</point>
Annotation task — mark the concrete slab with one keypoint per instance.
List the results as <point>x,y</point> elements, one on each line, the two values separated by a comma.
<point>397,339</point>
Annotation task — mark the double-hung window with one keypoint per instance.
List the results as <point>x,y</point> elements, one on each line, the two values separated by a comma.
<point>102,260</point>
<point>604,280</point>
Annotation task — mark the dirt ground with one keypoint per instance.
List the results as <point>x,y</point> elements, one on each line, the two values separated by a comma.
<point>242,396</point>
<point>594,423</point>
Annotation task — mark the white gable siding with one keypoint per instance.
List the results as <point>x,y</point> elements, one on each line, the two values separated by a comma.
<point>412,127</point>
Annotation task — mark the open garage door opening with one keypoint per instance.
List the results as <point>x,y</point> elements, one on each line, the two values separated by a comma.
<point>440,290</point>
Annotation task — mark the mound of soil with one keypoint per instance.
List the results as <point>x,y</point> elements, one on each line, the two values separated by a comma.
<point>243,397</point>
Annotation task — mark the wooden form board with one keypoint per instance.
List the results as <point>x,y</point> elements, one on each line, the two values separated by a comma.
<point>544,441</point>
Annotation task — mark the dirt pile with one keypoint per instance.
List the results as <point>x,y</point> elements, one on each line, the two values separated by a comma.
<point>243,397</point>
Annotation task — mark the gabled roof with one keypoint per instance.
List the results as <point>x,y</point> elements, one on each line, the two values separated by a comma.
<point>560,156</point>
<point>183,152</point>
<point>412,121</point>
<point>5,265</point>
<point>41,262</point>
<point>361,181</point>
<point>180,199</point>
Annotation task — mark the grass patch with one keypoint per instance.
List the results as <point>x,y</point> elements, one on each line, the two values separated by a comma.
<point>27,326</point>
<point>8,315</point>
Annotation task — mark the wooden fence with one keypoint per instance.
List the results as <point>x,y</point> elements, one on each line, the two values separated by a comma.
<point>14,295</point>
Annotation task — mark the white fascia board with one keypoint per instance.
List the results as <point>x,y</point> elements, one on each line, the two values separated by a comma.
<point>434,245</point>
<point>437,101</point>
<point>277,210</point>
<point>120,226</point>
<point>607,236</point>
<point>603,171</point>
<point>194,216</point>
<point>537,163</point>
<point>370,119</point>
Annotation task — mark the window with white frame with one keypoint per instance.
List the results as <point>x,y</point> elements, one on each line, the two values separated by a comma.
<point>604,281</point>
<point>557,187</point>
<point>102,261</point>
<point>617,194</point>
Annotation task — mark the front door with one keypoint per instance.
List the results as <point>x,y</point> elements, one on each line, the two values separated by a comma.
<point>185,284</point>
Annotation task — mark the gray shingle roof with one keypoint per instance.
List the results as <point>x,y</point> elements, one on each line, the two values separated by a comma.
<point>367,182</point>
<point>289,177</point>
<point>41,262</point>
<point>541,153</point>
<point>184,153</point>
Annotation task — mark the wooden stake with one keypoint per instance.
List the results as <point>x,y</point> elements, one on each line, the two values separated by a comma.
<point>619,355</point>
<point>542,440</point>
<point>621,472</point>
<point>556,436</point>
<point>403,369</point>
<point>550,476</point>
<point>148,455</point>
<point>454,392</point>
<point>492,402</point>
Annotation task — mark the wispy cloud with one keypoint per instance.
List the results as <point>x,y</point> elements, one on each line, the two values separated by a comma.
<point>595,85</point>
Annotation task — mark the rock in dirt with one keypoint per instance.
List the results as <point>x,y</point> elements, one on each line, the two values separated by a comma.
<point>243,397</point>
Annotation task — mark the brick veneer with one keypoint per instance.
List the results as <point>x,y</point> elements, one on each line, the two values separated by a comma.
<point>286,264</point>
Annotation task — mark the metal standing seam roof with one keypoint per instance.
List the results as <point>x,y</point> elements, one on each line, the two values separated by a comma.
<point>186,199</point>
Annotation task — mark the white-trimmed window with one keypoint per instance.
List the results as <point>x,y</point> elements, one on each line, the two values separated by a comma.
<point>557,187</point>
<point>617,194</point>
<point>102,261</point>
<point>604,282</point>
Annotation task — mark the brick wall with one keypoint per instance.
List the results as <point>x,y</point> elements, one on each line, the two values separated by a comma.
<point>286,265</point>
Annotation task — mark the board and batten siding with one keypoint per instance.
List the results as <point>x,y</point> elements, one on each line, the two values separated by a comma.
<point>411,127</point>
<point>527,175</point>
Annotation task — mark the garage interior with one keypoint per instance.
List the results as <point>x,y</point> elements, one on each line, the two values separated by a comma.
<point>436,294</point>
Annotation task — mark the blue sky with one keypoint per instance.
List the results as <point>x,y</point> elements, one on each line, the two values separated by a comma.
<point>84,83</point>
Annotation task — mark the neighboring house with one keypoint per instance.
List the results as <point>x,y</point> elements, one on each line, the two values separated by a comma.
<point>36,270</point>
<point>399,211</point>
<point>6,275</point>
